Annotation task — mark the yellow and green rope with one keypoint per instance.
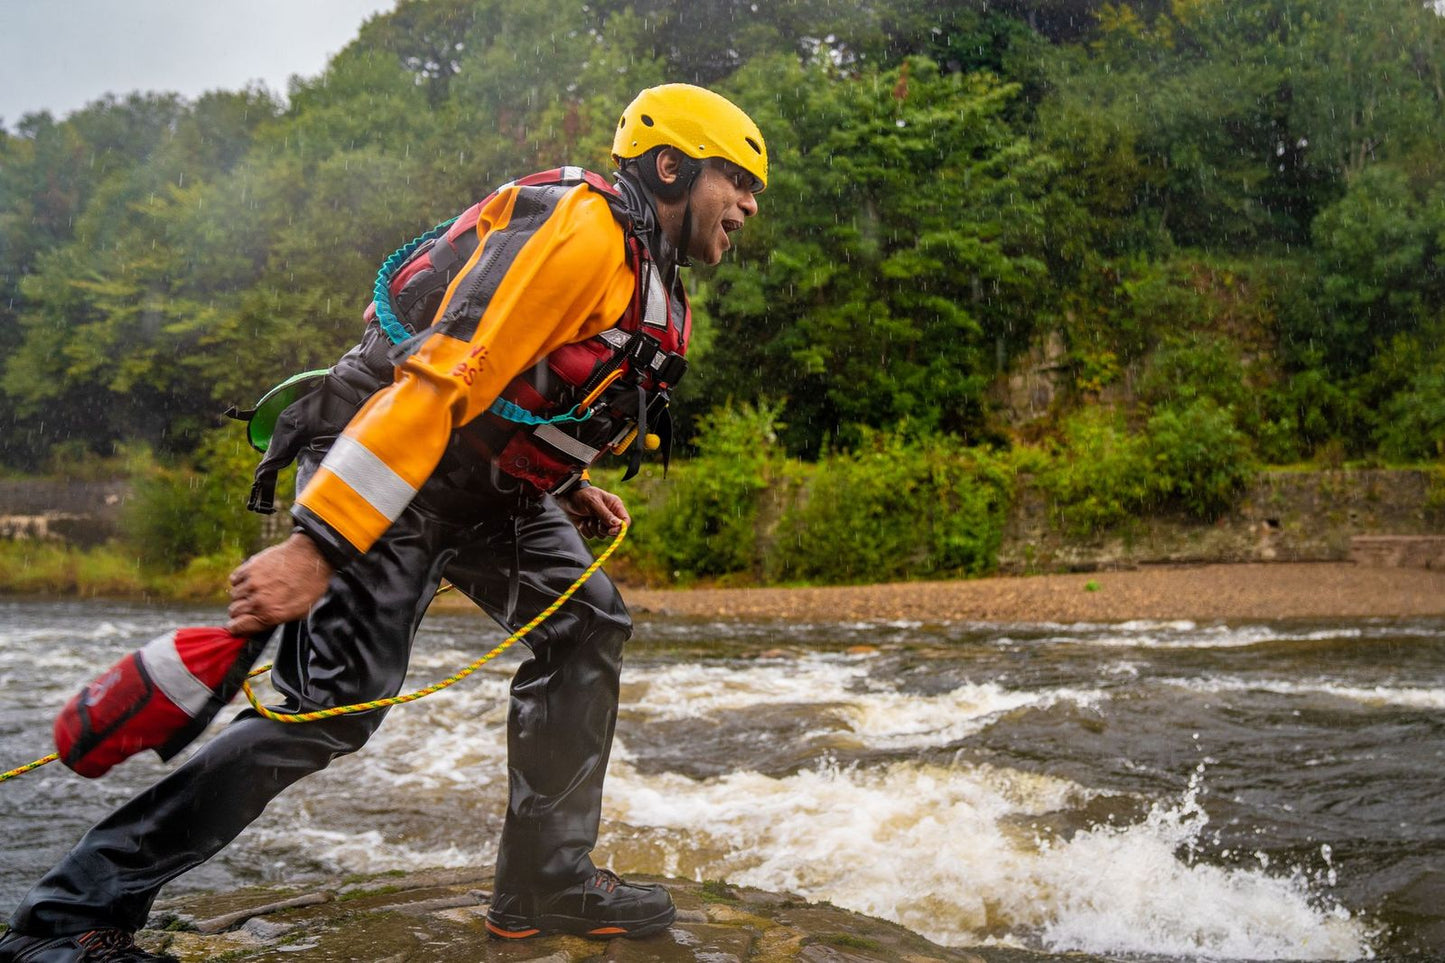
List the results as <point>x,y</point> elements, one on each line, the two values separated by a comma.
<point>422,693</point>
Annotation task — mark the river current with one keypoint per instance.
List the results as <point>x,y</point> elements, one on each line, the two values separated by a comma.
<point>1147,791</point>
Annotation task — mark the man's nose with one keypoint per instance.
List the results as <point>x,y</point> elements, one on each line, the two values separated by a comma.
<point>748,203</point>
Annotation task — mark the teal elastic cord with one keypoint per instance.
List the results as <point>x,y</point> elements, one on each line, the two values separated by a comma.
<point>396,332</point>
<point>505,409</point>
<point>391,325</point>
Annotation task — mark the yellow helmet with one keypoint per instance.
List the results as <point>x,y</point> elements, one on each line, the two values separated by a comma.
<point>697,122</point>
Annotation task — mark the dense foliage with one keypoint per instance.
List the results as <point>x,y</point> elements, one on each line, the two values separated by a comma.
<point>1230,215</point>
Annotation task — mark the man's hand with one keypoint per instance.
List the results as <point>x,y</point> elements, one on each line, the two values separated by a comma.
<point>277,585</point>
<point>595,512</point>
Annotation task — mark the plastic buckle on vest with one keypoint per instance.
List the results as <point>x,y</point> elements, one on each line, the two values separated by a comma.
<point>642,350</point>
<point>670,372</point>
<point>262,499</point>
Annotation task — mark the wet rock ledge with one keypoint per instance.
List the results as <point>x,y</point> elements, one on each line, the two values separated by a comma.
<point>436,917</point>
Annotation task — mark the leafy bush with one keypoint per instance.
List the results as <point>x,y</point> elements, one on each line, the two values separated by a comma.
<point>704,523</point>
<point>1201,461</point>
<point>1305,413</point>
<point>1412,425</point>
<point>1102,476</point>
<point>898,508</point>
<point>1194,365</point>
<point>1192,457</point>
<point>181,512</point>
<point>1406,386</point>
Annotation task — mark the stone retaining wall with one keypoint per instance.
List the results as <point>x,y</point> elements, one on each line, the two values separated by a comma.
<point>1285,516</point>
<point>1412,551</point>
<point>76,512</point>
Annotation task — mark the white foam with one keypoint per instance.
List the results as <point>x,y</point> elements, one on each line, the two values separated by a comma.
<point>1375,696</point>
<point>877,716</point>
<point>942,851</point>
<point>355,852</point>
<point>1186,635</point>
<point>1124,890</point>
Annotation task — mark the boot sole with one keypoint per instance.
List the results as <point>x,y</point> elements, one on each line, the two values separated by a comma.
<point>515,928</point>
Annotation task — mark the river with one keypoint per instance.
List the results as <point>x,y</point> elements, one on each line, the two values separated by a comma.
<point>1154,791</point>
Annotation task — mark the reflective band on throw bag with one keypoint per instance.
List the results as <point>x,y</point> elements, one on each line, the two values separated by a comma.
<point>565,443</point>
<point>168,671</point>
<point>369,477</point>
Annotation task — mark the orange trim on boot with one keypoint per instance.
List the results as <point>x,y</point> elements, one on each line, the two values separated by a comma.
<point>496,930</point>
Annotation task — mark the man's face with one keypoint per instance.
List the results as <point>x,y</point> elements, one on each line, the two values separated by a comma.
<point>722,199</point>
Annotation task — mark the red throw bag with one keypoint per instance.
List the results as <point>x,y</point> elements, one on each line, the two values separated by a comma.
<point>159,697</point>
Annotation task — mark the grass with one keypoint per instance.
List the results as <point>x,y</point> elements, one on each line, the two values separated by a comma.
<point>717,891</point>
<point>46,568</point>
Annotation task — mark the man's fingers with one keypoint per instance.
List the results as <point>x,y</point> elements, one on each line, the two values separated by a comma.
<point>246,625</point>
<point>614,512</point>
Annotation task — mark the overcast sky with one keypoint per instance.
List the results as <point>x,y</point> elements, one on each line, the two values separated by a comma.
<point>59,55</point>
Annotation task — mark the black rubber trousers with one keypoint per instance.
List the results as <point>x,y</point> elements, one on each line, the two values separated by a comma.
<point>354,647</point>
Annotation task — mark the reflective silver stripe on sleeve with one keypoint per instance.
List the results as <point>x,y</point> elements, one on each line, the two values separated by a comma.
<point>169,673</point>
<point>565,443</point>
<point>369,476</point>
<point>655,313</point>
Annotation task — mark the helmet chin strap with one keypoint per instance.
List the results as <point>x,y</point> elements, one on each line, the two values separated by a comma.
<point>685,235</point>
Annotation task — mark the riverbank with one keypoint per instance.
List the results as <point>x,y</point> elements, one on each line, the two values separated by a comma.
<point>1281,590</point>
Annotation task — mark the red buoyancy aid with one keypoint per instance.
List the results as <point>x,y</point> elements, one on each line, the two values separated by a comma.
<point>584,399</point>
<point>159,697</point>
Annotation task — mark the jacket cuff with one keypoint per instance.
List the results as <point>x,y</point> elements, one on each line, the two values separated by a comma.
<point>335,549</point>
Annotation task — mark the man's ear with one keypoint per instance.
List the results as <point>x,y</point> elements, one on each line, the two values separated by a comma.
<point>670,162</point>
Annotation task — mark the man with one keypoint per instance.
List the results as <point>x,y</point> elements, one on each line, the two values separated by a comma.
<point>455,463</point>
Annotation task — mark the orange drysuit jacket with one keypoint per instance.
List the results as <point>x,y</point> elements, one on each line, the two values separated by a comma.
<point>550,268</point>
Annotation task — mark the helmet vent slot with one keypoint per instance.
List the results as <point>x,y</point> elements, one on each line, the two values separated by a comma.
<point>753,144</point>
<point>647,120</point>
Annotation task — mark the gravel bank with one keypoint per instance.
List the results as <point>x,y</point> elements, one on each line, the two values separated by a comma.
<point>1200,592</point>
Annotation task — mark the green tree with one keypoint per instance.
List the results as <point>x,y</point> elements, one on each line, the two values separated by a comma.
<point>897,266</point>
<point>1381,264</point>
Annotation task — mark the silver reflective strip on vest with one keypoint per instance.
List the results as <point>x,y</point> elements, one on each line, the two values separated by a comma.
<point>572,173</point>
<point>369,476</point>
<point>655,313</point>
<point>565,443</point>
<point>168,671</point>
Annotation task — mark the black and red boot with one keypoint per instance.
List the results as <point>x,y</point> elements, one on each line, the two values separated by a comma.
<point>603,907</point>
<point>95,946</point>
